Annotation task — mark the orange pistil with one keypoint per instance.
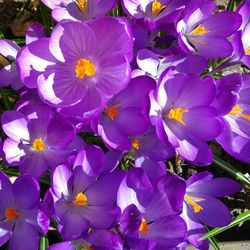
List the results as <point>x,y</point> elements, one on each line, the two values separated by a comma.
<point>11,213</point>
<point>190,200</point>
<point>82,5</point>
<point>84,67</point>
<point>177,114</point>
<point>80,199</point>
<point>135,144</point>
<point>143,227</point>
<point>38,144</point>
<point>237,110</point>
<point>157,7</point>
<point>199,30</point>
<point>112,111</point>
<point>247,51</point>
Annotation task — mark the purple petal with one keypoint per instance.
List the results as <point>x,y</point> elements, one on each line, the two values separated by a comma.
<point>24,230</point>
<point>169,231</point>
<point>13,153</point>
<point>9,76</point>
<point>74,224</point>
<point>101,192</point>
<point>14,125</point>
<point>34,32</point>
<point>60,178</point>
<point>9,49</point>
<point>218,187</point>
<point>91,159</point>
<point>119,33</point>
<point>68,245</point>
<point>201,177</point>
<point>35,165</point>
<point>26,191</point>
<point>33,60</point>
<point>214,212</point>
<point>101,217</point>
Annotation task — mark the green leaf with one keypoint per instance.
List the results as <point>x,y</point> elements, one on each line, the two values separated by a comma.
<point>239,219</point>
<point>44,243</point>
<point>231,5</point>
<point>232,170</point>
<point>214,243</point>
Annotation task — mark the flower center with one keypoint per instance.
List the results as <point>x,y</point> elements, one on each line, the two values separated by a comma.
<point>82,5</point>
<point>177,114</point>
<point>112,111</point>
<point>157,7</point>
<point>80,199</point>
<point>247,50</point>
<point>11,213</point>
<point>38,144</point>
<point>199,30</point>
<point>135,144</point>
<point>84,67</point>
<point>190,200</point>
<point>143,227</point>
<point>237,110</point>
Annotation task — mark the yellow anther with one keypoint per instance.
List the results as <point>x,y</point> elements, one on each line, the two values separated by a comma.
<point>157,7</point>
<point>38,144</point>
<point>237,110</point>
<point>112,111</point>
<point>247,50</point>
<point>190,200</point>
<point>84,67</point>
<point>11,213</point>
<point>199,30</point>
<point>82,5</point>
<point>143,227</point>
<point>177,114</point>
<point>135,144</point>
<point>80,199</point>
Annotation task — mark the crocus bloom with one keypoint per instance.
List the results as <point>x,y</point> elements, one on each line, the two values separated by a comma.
<point>37,141</point>
<point>82,199</point>
<point>79,75</point>
<point>123,115</point>
<point>235,136</point>
<point>240,41</point>
<point>8,74</point>
<point>150,215</point>
<point>79,9</point>
<point>153,11</point>
<point>99,240</point>
<point>207,33</point>
<point>153,64</point>
<point>201,206</point>
<point>21,214</point>
<point>183,115</point>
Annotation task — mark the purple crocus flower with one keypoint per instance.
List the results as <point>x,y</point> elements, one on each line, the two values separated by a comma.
<point>240,41</point>
<point>153,11</point>
<point>235,117</point>
<point>123,115</point>
<point>79,9</point>
<point>79,75</point>
<point>153,64</point>
<point>148,144</point>
<point>99,240</point>
<point>8,74</point>
<point>183,115</point>
<point>36,141</point>
<point>150,215</point>
<point>205,32</point>
<point>201,206</point>
<point>21,214</point>
<point>82,198</point>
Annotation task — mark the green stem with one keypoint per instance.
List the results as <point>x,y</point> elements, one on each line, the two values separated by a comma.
<point>232,170</point>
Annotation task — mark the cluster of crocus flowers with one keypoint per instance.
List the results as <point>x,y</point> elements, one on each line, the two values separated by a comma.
<point>141,84</point>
